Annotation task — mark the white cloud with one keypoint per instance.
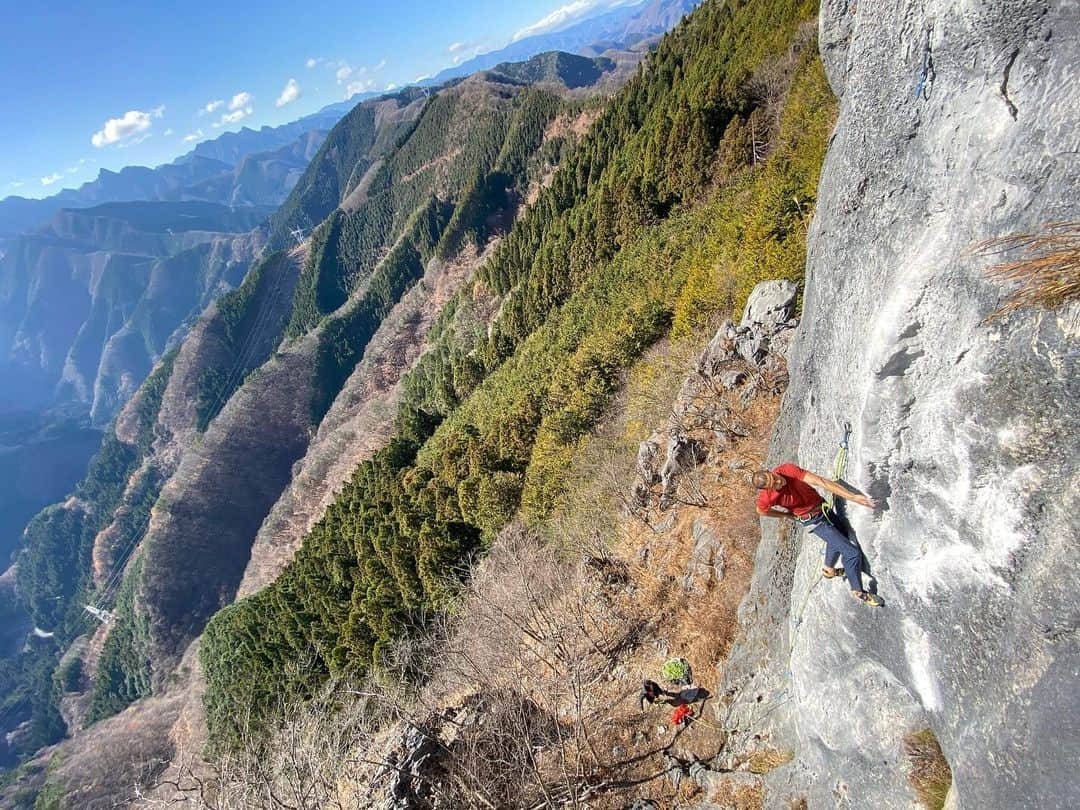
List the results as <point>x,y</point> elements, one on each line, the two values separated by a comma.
<point>16,184</point>
<point>194,136</point>
<point>311,62</point>
<point>52,178</point>
<point>419,79</point>
<point>233,117</point>
<point>158,111</point>
<point>239,108</point>
<point>567,15</point>
<point>134,141</point>
<point>289,93</point>
<point>241,101</point>
<point>72,169</point>
<point>345,70</point>
<point>130,124</point>
<point>455,47</point>
<point>364,86</point>
<point>211,106</point>
<point>390,87</point>
<point>167,132</point>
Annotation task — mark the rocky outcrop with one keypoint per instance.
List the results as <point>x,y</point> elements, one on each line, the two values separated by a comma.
<point>952,129</point>
<point>701,424</point>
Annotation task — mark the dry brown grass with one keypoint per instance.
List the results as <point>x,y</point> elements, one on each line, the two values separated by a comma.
<point>1046,271</point>
<point>930,775</point>
<point>768,759</point>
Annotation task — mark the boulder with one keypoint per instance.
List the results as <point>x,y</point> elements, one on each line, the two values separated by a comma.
<point>771,304</point>
<point>706,563</point>
<point>648,459</point>
<point>683,453</point>
<point>752,346</point>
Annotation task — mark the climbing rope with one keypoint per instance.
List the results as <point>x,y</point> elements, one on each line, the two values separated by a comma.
<point>839,465</point>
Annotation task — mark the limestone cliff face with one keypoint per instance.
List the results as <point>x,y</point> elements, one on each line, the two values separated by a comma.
<point>957,124</point>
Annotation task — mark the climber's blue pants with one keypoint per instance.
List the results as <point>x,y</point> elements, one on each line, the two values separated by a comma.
<point>838,544</point>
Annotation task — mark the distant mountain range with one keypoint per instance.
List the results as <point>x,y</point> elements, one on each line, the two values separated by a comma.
<point>54,252</point>
<point>236,168</point>
<point>620,29</point>
<point>89,303</point>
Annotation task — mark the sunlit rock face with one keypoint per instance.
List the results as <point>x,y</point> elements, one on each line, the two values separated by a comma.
<point>956,125</point>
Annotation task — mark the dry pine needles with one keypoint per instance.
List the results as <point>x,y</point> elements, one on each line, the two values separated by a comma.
<point>1045,274</point>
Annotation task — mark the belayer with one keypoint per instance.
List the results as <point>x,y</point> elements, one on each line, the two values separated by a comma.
<point>792,488</point>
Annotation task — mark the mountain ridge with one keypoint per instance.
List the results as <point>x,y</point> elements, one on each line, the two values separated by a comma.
<point>621,28</point>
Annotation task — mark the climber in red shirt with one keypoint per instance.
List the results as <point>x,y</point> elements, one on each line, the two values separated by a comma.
<point>792,489</point>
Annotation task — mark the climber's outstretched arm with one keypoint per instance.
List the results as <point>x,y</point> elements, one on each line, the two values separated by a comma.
<point>837,488</point>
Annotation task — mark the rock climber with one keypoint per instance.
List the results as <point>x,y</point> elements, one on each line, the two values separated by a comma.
<point>792,488</point>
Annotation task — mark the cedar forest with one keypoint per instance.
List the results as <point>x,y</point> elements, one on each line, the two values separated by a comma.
<point>695,181</point>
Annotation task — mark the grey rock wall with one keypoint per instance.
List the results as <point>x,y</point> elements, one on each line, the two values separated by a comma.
<point>958,122</point>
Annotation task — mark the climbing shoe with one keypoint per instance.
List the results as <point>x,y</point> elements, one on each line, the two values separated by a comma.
<point>869,598</point>
<point>836,572</point>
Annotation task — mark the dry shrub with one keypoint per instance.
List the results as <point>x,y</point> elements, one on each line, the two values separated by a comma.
<point>305,764</point>
<point>492,760</point>
<point>536,632</point>
<point>930,775</point>
<point>1046,274</point>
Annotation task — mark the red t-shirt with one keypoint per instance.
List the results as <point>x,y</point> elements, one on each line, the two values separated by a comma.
<point>796,495</point>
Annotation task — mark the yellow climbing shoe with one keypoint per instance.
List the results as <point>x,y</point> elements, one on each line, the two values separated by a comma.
<point>870,599</point>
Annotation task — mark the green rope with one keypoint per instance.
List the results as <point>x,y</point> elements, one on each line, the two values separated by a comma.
<point>840,464</point>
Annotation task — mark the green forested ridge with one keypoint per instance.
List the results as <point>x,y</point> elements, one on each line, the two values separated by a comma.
<point>354,143</point>
<point>54,573</point>
<point>449,154</point>
<point>342,342</point>
<point>454,178</point>
<point>123,673</point>
<point>240,315</point>
<point>662,217</point>
<point>556,66</point>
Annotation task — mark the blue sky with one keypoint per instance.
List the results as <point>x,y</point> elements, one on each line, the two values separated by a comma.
<point>85,86</point>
